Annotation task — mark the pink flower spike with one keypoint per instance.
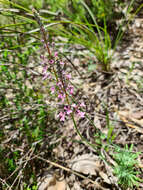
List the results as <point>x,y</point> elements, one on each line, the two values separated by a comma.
<point>52,89</point>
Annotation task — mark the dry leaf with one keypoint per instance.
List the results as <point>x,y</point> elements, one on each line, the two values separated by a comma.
<point>127,117</point>
<point>104,177</point>
<point>51,183</point>
<point>86,164</point>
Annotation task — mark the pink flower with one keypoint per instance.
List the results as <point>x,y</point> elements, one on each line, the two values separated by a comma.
<point>59,84</point>
<point>70,89</point>
<point>81,114</point>
<point>45,70</point>
<point>56,54</point>
<point>74,105</point>
<point>63,72</point>
<point>82,104</point>
<point>62,63</point>
<point>68,110</point>
<point>62,115</point>
<point>62,97</point>
<point>46,75</point>
<point>51,61</point>
<point>53,43</point>
<point>52,89</point>
<point>68,76</point>
<point>42,57</point>
<point>42,62</point>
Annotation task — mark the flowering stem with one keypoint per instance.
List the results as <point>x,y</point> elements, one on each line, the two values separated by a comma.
<point>44,38</point>
<point>42,30</point>
<point>56,76</point>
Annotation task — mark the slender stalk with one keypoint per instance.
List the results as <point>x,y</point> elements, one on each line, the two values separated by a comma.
<point>56,76</point>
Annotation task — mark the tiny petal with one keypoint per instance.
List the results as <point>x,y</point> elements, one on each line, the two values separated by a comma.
<point>52,89</point>
<point>82,104</point>
<point>62,97</point>
<point>51,61</point>
<point>62,63</point>
<point>81,114</point>
<point>69,111</point>
<point>56,54</point>
<point>63,72</point>
<point>68,76</point>
<point>74,105</point>
<point>59,84</point>
<point>71,91</point>
<point>42,57</point>
<point>46,75</point>
<point>42,62</point>
<point>53,43</point>
<point>45,70</point>
<point>62,115</point>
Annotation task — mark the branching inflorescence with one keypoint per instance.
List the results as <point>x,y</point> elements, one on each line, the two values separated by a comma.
<point>53,70</point>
